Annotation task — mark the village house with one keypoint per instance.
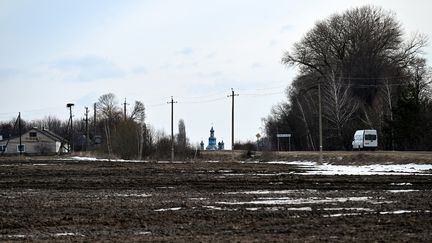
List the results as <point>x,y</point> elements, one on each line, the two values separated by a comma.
<point>35,141</point>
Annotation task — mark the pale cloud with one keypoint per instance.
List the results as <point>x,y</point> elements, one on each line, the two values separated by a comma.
<point>257,65</point>
<point>7,73</point>
<point>139,70</point>
<point>88,69</point>
<point>151,50</point>
<point>187,51</point>
<point>287,28</point>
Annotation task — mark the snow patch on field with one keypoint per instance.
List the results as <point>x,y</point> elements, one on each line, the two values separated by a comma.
<point>18,236</point>
<point>401,184</point>
<point>348,209</point>
<point>79,158</point>
<point>167,209</point>
<point>131,195</point>
<point>68,234</point>
<point>313,168</point>
<point>382,213</point>
<point>291,201</point>
<point>269,192</point>
<point>405,211</point>
<point>398,191</point>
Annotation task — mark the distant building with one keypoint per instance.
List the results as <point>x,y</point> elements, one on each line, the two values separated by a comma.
<point>212,145</point>
<point>221,145</point>
<point>35,141</point>
<point>212,141</point>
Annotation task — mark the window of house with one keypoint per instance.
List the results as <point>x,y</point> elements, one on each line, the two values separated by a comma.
<point>21,148</point>
<point>33,134</point>
<point>2,148</point>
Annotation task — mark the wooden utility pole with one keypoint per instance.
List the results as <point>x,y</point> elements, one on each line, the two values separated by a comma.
<point>172,127</point>
<point>124,109</point>
<point>20,134</point>
<point>69,105</point>
<point>320,124</point>
<point>87,130</point>
<point>94,121</point>
<point>232,117</point>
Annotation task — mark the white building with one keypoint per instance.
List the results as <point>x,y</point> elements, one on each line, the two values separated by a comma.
<point>35,141</point>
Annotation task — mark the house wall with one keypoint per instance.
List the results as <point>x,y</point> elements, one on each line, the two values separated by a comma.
<point>33,145</point>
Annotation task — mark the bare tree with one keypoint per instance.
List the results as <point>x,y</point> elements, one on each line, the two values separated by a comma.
<point>138,115</point>
<point>339,105</point>
<point>107,107</point>
<point>351,54</point>
<point>181,137</point>
<point>138,112</point>
<point>310,141</point>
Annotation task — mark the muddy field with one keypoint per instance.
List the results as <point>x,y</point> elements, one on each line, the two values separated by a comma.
<point>72,200</point>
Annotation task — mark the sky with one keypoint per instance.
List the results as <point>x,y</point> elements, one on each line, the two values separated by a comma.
<point>54,52</point>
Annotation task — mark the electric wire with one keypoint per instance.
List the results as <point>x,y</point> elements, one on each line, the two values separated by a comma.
<point>219,96</point>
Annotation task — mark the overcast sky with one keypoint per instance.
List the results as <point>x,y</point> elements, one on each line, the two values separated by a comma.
<point>53,52</point>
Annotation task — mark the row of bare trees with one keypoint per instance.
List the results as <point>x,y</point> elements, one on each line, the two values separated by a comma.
<point>368,77</point>
<point>123,135</point>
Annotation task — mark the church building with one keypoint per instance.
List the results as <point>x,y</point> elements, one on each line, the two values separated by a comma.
<point>212,142</point>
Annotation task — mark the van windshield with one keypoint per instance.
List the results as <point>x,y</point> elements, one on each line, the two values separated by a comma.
<point>370,137</point>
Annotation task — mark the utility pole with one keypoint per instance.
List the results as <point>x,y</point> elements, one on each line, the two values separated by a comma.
<point>172,127</point>
<point>94,121</point>
<point>320,124</point>
<point>232,118</point>
<point>277,135</point>
<point>124,109</point>
<point>87,130</point>
<point>69,105</point>
<point>20,133</point>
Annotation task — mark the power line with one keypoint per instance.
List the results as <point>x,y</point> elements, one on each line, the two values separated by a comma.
<point>203,101</point>
<point>32,111</point>
<point>264,94</point>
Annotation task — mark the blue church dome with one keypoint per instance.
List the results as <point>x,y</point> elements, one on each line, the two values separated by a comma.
<point>212,141</point>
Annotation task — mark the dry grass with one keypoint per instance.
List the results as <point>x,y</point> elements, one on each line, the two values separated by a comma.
<point>334,157</point>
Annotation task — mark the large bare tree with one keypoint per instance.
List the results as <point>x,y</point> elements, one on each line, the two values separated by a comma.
<point>352,56</point>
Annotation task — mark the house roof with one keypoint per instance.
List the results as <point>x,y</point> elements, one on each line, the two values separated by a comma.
<point>52,135</point>
<point>45,132</point>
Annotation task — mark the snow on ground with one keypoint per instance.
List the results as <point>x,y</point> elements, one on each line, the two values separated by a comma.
<point>291,201</point>
<point>313,168</point>
<point>68,234</point>
<point>167,209</point>
<point>80,158</point>
<point>270,192</point>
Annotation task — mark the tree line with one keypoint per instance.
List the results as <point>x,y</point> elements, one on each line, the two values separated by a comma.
<point>368,75</point>
<point>112,132</point>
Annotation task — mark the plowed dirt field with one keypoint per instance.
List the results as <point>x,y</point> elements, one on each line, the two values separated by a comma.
<point>72,200</point>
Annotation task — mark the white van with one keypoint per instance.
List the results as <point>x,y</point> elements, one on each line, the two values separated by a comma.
<point>365,140</point>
